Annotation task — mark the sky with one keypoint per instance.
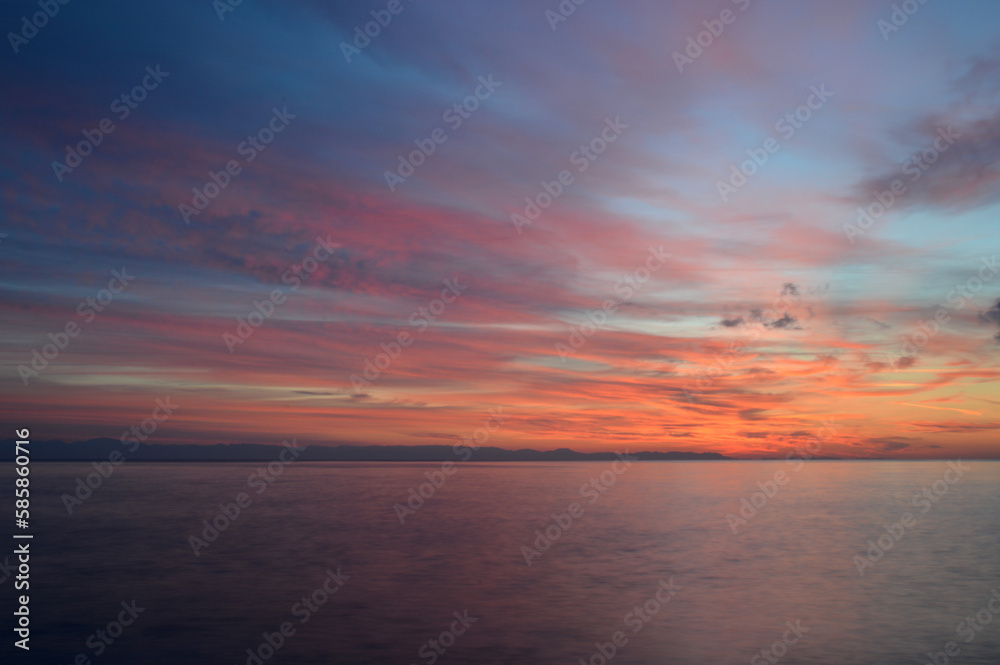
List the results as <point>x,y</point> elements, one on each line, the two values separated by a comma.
<point>743,227</point>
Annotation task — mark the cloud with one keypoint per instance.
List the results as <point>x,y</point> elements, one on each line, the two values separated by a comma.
<point>954,153</point>
<point>891,443</point>
<point>444,436</point>
<point>879,362</point>
<point>883,326</point>
<point>954,427</point>
<point>451,219</point>
<point>992,315</point>
<point>786,322</point>
<point>940,408</point>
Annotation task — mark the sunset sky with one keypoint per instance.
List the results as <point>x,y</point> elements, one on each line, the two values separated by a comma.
<point>737,314</point>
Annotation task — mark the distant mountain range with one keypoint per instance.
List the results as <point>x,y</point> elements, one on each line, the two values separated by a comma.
<point>100,449</point>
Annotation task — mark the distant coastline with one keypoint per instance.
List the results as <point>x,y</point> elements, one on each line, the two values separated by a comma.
<point>94,450</point>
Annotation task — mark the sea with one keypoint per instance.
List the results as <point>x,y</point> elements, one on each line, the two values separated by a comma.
<point>625,562</point>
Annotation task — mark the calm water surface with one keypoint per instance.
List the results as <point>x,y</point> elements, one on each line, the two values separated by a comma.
<point>462,551</point>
